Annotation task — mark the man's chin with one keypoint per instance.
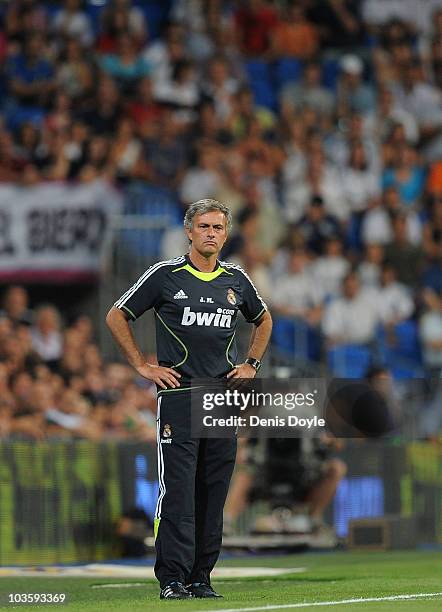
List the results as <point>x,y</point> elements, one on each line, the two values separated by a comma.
<point>209,249</point>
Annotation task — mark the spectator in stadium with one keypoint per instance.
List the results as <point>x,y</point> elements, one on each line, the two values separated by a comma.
<point>297,295</point>
<point>30,76</point>
<point>352,318</point>
<point>16,306</point>
<point>203,179</point>
<point>162,54</point>
<point>28,141</point>
<point>47,339</point>
<point>103,111</point>
<point>71,22</point>
<point>143,109</point>
<point>253,260</point>
<point>329,269</point>
<point>407,176</point>
<point>339,22</point>
<point>316,226</point>
<point>430,331</point>
<point>393,298</point>
<point>321,179</point>
<point>405,257</point>
<point>126,66</point>
<point>354,96</point>
<point>361,183</point>
<point>421,98</point>
<point>117,17</point>
<point>255,21</point>
<point>369,269</point>
<point>308,92</point>
<point>295,146</point>
<point>125,152</point>
<point>166,153</point>
<point>388,114</point>
<point>58,119</point>
<point>245,111</point>
<point>434,183</point>
<point>221,87</point>
<point>21,19</point>
<point>262,158</point>
<point>340,138</point>
<point>294,35</point>
<point>377,224</point>
<point>97,157</point>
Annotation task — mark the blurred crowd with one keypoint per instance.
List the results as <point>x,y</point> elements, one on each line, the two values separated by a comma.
<point>319,122</point>
<point>55,382</point>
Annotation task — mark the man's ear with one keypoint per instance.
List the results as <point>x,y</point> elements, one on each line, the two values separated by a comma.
<point>188,233</point>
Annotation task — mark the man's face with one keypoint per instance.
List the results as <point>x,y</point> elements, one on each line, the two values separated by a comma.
<point>208,233</point>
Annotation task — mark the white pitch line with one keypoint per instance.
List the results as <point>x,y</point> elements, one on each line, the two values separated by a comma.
<point>119,585</point>
<point>331,603</point>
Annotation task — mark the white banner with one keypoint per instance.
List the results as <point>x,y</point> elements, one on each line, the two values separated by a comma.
<point>53,230</point>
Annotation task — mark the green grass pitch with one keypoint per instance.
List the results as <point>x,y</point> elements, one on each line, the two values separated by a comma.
<point>329,577</point>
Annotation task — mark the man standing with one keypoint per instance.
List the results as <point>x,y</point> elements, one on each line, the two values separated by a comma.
<point>196,299</point>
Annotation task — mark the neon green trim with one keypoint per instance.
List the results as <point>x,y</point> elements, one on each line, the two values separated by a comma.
<point>186,352</point>
<point>228,348</point>
<point>204,276</point>
<point>129,311</point>
<point>156,526</point>
<point>258,315</point>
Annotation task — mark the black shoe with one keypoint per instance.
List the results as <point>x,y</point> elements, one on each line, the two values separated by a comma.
<point>175,590</point>
<point>201,590</point>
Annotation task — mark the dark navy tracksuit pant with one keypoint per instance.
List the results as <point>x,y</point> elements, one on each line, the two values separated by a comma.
<point>194,478</point>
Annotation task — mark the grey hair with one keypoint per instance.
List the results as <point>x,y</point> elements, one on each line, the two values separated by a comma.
<point>204,206</point>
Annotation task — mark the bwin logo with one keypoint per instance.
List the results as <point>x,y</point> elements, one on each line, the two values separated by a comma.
<point>217,319</point>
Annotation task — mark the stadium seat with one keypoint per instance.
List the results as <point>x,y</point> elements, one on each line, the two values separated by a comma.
<point>287,69</point>
<point>330,74</point>
<point>156,14</point>
<point>264,94</point>
<point>353,233</point>
<point>349,360</point>
<point>159,205</point>
<point>404,358</point>
<point>293,338</point>
<point>257,70</point>
<point>17,115</point>
<point>94,9</point>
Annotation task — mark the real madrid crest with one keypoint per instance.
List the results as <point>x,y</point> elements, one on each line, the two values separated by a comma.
<point>231,297</point>
<point>167,431</point>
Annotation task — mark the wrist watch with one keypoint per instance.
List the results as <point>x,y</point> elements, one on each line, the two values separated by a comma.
<point>255,363</point>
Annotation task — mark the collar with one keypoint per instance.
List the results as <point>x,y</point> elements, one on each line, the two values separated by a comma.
<point>203,276</point>
<point>188,260</point>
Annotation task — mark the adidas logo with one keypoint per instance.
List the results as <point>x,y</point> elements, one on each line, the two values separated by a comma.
<point>180,295</point>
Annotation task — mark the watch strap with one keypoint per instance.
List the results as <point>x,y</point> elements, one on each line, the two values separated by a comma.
<point>255,363</point>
